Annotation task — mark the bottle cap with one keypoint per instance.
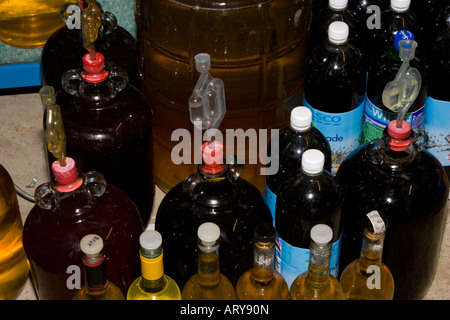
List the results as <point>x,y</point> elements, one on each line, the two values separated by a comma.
<point>402,35</point>
<point>208,233</point>
<point>212,153</point>
<point>301,118</point>
<point>338,4</point>
<point>91,244</point>
<point>338,32</point>
<point>321,234</point>
<point>66,176</point>
<point>265,232</point>
<point>313,161</point>
<point>150,240</point>
<point>94,69</point>
<point>400,5</point>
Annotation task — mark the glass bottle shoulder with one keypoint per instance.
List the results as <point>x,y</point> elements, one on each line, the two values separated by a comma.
<point>302,289</point>
<point>249,288</point>
<point>223,290</point>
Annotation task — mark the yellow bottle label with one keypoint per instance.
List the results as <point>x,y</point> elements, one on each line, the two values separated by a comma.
<point>152,269</point>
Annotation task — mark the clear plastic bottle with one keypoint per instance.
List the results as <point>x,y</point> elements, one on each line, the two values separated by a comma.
<point>396,177</point>
<point>368,278</point>
<point>308,197</point>
<point>262,282</point>
<point>67,208</point>
<point>215,193</point>
<point>317,283</point>
<point>335,91</point>
<point>97,286</point>
<point>153,284</point>
<point>208,283</point>
<point>292,141</point>
<point>13,262</point>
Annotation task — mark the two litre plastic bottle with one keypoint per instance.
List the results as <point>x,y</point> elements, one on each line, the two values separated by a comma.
<point>396,177</point>
<point>293,140</point>
<point>309,197</point>
<point>208,283</point>
<point>317,283</point>
<point>13,262</point>
<point>262,282</point>
<point>335,91</point>
<point>67,208</point>
<point>97,286</point>
<point>153,284</point>
<point>368,278</point>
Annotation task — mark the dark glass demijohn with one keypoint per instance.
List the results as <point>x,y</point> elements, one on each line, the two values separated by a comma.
<point>108,128</point>
<point>66,47</point>
<point>215,193</point>
<point>67,208</point>
<point>408,185</point>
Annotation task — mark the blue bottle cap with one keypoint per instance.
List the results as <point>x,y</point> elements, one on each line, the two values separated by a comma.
<point>402,35</point>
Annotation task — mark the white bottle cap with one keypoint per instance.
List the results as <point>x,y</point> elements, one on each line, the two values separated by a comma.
<point>150,240</point>
<point>313,161</point>
<point>91,244</point>
<point>208,233</point>
<point>338,32</point>
<point>400,5</point>
<point>338,4</point>
<point>321,234</point>
<point>301,118</point>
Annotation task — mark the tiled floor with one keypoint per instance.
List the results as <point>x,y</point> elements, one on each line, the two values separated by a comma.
<point>22,154</point>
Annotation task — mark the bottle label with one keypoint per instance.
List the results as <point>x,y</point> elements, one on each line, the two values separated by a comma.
<point>292,261</point>
<point>342,130</point>
<point>375,120</point>
<point>270,199</point>
<point>437,126</point>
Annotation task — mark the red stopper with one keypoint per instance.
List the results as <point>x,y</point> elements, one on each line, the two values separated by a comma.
<point>212,153</point>
<point>399,141</point>
<point>66,176</point>
<point>94,69</point>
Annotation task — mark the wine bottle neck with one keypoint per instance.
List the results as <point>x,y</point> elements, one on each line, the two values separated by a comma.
<point>263,261</point>
<point>208,268</point>
<point>371,250</point>
<point>319,264</point>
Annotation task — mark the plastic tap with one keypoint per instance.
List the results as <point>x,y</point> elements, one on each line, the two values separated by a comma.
<point>207,102</point>
<point>55,136</point>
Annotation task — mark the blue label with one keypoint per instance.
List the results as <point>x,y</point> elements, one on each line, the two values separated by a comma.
<point>271,200</point>
<point>375,120</point>
<point>437,126</point>
<point>292,261</point>
<point>342,130</point>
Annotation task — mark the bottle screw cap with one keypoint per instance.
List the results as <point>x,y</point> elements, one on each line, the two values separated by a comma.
<point>313,161</point>
<point>338,32</point>
<point>338,4</point>
<point>400,5</point>
<point>301,118</point>
<point>208,233</point>
<point>150,240</point>
<point>91,244</point>
<point>321,234</point>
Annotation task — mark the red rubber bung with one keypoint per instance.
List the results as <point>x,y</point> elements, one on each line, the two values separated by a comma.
<point>66,176</point>
<point>212,153</point>
<point>399,135</point>
<point>94,69</point>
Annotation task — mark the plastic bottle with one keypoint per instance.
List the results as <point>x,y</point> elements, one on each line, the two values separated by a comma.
<point>335,90</point>
<point>262,282</point>
<point>153,284</point>
<point>396,177</point>
<point>208,283</point>
<point>258,49</point>
<point>117,45</point>
<point>67,208</point>
<point>13,262</point>
<point>437,125</point>
<point>28,24</point>
<point>215,193</point>
<point>368,278</point>
<point>108,128</point>
<point>317,283</point>
<point>97,286</point>
<point>385,70</point>
<point>308,197</point>
<point>292,141</point>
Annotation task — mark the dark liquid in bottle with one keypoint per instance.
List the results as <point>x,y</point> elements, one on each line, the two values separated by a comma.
<point>51,241</point>
<point>414,200</point>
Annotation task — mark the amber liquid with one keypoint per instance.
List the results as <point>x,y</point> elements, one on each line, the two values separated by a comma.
<point>13,262</point>
<point>29,23</point>
<point>258,50</point>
